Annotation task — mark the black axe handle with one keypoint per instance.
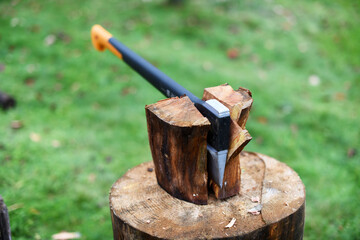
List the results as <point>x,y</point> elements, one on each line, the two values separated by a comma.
<point>220,123</point>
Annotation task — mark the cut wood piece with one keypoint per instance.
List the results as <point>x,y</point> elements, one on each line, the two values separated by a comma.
<point>239,138</point>
<point>270,206</point>
<point>177,136</point>
<point>239,103</point>
<point>231,185</point>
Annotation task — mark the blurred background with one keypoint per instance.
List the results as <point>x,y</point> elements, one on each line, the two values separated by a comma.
<point>80,123</point>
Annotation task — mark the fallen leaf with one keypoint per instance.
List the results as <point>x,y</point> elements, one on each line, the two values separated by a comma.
<point>351,152</point>
<point>50,40</point>
<point>314,80</point>
<point>34,211</point>
<point>233,53</point>
<point>66,235</point>
<point>35,137</point>
<point>35,28</point>
<point>16,124</point>
<point>29,81</point>
<point>231,223</point>
<point>128,90</point>
<point>339,96</point>
<point>262,120</point>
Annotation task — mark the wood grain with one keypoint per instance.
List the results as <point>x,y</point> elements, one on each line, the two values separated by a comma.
<point>141,209</point>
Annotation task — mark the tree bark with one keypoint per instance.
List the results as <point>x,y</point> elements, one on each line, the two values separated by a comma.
<point>239,103</point>
<point>6,101</point>
<point>270,206</point>
<point>177,136</point>
<point>5,233</point>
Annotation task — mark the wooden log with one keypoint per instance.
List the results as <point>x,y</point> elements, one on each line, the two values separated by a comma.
<point>270,205</point>
<point>5,233</point>
<point>239,103</point>
<point>177,136</point>
<point>6,101</point>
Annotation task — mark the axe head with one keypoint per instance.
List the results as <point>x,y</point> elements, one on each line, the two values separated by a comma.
<point>218,137</point>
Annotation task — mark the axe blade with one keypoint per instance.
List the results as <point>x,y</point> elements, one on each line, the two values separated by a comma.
<point>216,164</point>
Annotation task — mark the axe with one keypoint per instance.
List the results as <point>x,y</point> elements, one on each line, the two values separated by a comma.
<point>213,110</point>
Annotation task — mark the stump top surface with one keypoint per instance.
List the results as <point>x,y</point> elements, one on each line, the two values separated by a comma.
<point>140,202</point>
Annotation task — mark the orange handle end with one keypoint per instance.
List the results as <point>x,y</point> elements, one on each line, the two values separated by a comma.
<point>100,40</point>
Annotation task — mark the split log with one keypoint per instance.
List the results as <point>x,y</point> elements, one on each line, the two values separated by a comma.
<point>270,205</point>
<point>177,136</point>
<point>5,233</point>
<point>239,103</point>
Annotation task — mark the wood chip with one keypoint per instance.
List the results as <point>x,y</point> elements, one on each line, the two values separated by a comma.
<point>16,124</point>
<point>35,137</point>
<point>66,235</point>
<point>231,223</point>
<point>255,210</point>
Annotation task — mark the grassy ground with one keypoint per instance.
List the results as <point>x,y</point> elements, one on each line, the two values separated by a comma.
<point>83,111</point>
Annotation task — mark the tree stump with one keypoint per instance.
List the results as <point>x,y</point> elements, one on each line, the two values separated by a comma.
<point>5,233</point>
<point>6,101</point>
<point>270,205</point>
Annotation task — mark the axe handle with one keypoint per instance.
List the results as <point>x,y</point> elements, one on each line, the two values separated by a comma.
<point>102,40</point>
<point>218,137</point>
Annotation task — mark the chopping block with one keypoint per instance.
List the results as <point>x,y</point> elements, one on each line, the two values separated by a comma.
<point>270,205</point>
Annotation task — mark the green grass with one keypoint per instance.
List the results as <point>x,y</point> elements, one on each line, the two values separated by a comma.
<point>93,105</point>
